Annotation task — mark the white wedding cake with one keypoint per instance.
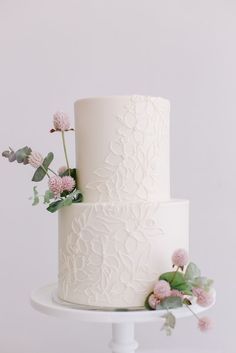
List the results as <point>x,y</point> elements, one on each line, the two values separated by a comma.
<point>114,245</point>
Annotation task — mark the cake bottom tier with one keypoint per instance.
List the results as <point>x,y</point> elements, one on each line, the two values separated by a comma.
<point>110,255</point>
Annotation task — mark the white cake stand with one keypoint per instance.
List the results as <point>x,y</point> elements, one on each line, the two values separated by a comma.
<point>122,322</point>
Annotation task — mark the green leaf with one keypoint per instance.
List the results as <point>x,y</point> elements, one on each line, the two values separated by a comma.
<point>185,288</point>
<point>78,199</point>
<point>77,196</point>
<point>203,282</point>
<point>71,172</point>
<point>177,281</point>
<point>173,277</point>
<point>26,160</point>
<point>74,197</point>
<point>35,196</point>
<point>5,154</point>
<point>22,153</point>
<point>170,303</point>
<point>169,323</point>
<point>192,271</point>
<point>41,172</point>
<point>146,303</point>
<point>56,205</point>
<point>12,157</point>
<point>48,196</point>
<point>170,319</point>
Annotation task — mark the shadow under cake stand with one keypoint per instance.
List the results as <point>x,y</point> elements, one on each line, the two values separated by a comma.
<point>45,300</point>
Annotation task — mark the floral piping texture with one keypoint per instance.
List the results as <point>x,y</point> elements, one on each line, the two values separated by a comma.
<point>104,258</point>
<point>131,171</point>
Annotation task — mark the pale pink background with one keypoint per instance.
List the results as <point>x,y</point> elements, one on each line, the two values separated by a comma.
<point>53,52</point>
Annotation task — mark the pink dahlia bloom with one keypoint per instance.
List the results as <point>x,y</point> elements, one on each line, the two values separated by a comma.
<point>61,121</point>
<point>203,298</point>
<point>35,159</point>
<point>205,324</point>
<point>180,258</point>
<point>153,301</point>
<point>162,289</point>
<point>55,185</point>
<point>62,170</point>
<point>176,293</point>
<point>68,183</point>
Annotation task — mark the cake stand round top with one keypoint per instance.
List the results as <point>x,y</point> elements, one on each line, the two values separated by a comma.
<point>42,300</point>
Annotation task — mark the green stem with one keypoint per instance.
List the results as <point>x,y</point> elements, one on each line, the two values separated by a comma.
<point>174,275</point>
<point>64,147</point>
<point>45,170</point>
<point>194,314</point>
<point>52,171</point>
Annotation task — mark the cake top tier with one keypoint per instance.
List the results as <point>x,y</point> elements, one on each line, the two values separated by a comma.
<point>122,148</point>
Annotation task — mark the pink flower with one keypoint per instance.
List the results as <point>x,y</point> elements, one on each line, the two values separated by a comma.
<point>153,301</point>
<point>62,170</point>
<point>180,258</point>
<point>55,185</point>
<point>204,324</point>
<point>176,293</point>
<point>162,289</point>
<point>196,291</point>
<point>61,121</point>
<point>68,183</point>
<point>35,159</point>
<point>203,298</point>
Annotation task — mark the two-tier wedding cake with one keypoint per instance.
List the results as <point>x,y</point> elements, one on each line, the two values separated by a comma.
<point>115,244</point>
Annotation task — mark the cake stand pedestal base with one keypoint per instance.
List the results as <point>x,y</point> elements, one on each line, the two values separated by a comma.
<point>122,321</point>
<point>123,338</point>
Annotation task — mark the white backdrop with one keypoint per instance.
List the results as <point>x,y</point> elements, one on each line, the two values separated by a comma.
<point>53,52</point>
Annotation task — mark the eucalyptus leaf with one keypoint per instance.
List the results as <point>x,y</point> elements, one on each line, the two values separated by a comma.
<point>170,303</point>
<point>48,196</point>
<point>77,196</point>
<point>203,282</point>
<point>192,271</point>
<point>26,160</point>
<point>170,320</point>
<point>169,323</point>
<point>167,329</point>
<point>12,156</point>
<point>35,196</point>
<point>56,205</point>
<point>22,153</point>
<point>41,172</point>
<point>5,154</point>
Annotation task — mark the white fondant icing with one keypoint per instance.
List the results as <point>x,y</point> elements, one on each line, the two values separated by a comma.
<point>110,254</point>
<point>122,148</point>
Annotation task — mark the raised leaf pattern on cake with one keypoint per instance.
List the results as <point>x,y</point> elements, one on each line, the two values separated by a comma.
<point>131,170</point>
<point>104,256</point>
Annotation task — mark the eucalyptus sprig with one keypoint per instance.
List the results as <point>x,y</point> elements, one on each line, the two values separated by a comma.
<point>62,187</point>
<point>176,289</point>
